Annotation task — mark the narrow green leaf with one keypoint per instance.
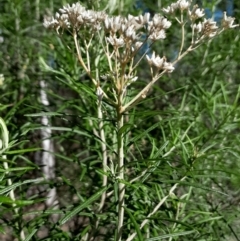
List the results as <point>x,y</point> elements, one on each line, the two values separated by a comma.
<point>8,200</point>
<point>14,169</point>
<point>4,199</point>
<point>22,151</point>
<point>136,226</point>
<point>30,235</point>
<point>13,186</point>
<point>144,133</point>
<point>82,206</point>
<point>124,128</point>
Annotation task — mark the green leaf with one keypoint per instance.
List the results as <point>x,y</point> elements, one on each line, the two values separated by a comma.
<point>22,151</point>
<point>82,206</point>
<point>172,235</point>
<point>136,226</point>
<point>15,169</point>
<point>13,186</point>
<point>8,200</point>
<point>30,235</point>
<point>144,133</point>
<point>124,128</point>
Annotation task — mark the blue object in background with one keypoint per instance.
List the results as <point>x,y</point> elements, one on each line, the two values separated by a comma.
<point>145,49</point>
<point>229,7</point>
<point>218,13</point>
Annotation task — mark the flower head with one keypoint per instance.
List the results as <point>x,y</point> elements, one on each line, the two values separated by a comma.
<point>160,63</point>
<point>227,22</point>
<point>209,28</point>
<point>183,4</point>
<point>196,13</point>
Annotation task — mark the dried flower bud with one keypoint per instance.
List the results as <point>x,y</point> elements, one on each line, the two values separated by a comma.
<point>99,93</point>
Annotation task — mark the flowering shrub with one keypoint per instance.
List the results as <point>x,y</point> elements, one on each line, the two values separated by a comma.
<point>121,40</point>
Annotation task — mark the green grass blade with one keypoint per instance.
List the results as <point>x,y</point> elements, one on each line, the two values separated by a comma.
<point>82,206</point>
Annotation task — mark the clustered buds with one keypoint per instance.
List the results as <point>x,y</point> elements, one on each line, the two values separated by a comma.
<point>157,27</point>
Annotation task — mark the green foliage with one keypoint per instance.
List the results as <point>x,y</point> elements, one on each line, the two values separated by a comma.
<point>181,143</point>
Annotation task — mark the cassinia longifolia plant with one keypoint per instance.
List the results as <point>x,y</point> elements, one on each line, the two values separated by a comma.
<point>123,38</point>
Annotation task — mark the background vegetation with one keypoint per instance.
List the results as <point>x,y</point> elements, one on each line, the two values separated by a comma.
<point>186,133</point>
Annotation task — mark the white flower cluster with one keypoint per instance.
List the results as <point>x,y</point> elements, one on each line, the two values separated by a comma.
<point>157,27</point>
<point>207,28</point>
<point>131,32</point>
<point>125,30</point>
<point>122,30</point>
<point>75,16</point>
<point>180,4</point>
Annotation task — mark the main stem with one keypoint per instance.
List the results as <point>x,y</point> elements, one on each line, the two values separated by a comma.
<point>121,186</point>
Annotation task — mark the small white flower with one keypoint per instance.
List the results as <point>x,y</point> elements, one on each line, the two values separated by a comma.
<point>168,66</point>
<point>165,23</point>
<point>156,35</point>
<point>197,27</point>
<point>170,9</point>
<point>130,33</point>
<point>209,28</point>
<point>227,22</point>
<point>116,42</point>
<point>199,13</point>
<point>155,60</point>
<point>196,13</point>
<point>158,62</point>
<point>183,4</point>
<point>138,45</point>
<point>112,24</point>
